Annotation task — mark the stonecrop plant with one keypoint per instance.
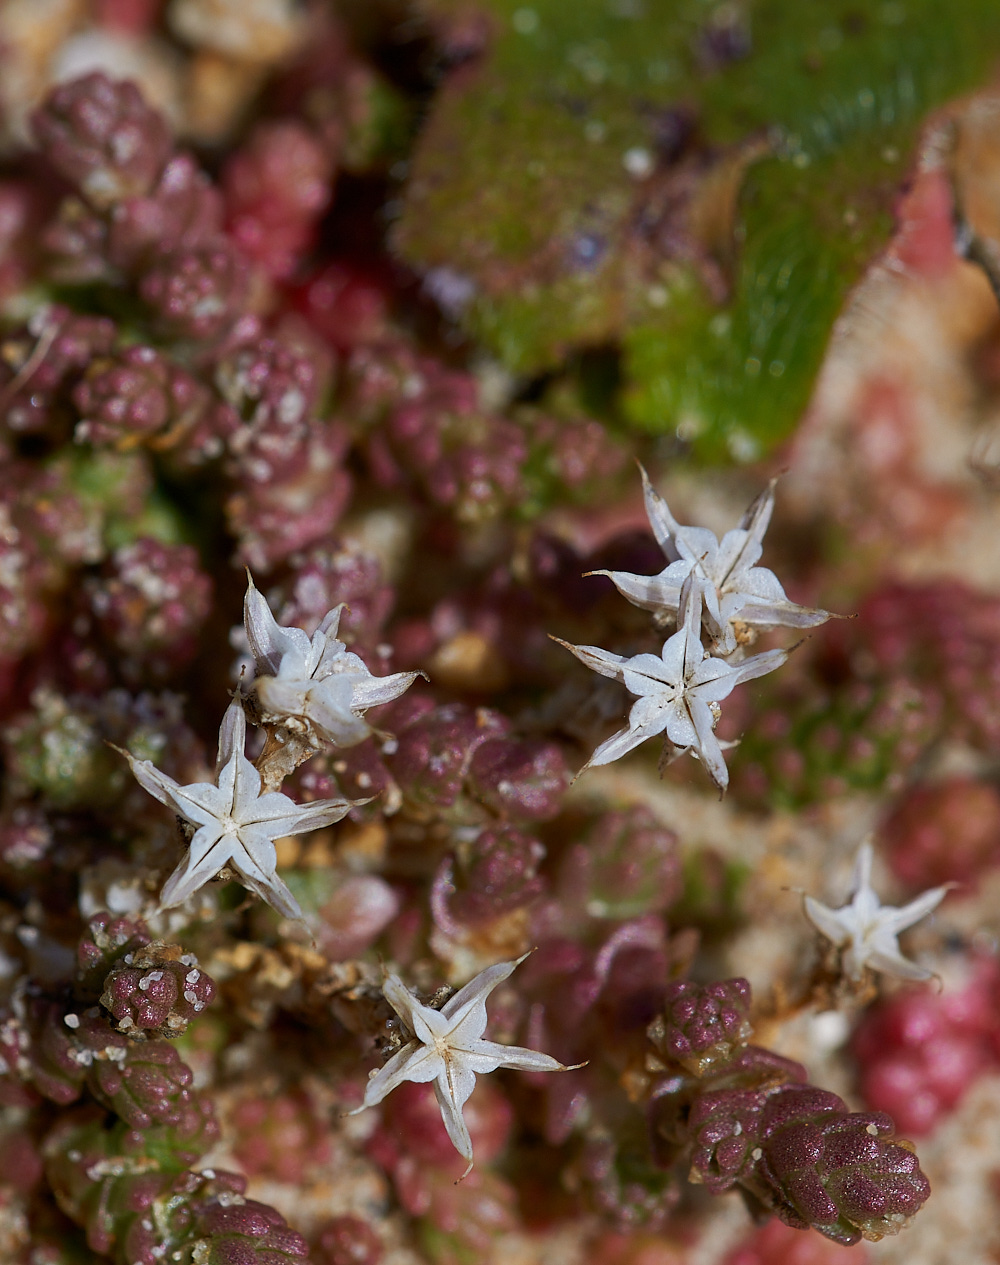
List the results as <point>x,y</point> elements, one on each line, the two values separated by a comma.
<point>315,947</point>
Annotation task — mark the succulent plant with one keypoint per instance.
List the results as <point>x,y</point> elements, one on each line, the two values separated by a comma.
<point>379,305</point>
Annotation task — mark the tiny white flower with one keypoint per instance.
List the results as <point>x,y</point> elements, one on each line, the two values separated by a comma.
<point>734,589</point>
<point>869,929</point>
<point>448,1048</point>
<point>236,824</point>
<point>316,681</point>
<point>679,691</point>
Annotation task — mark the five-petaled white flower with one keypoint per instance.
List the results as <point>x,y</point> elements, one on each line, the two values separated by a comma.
<point>870,929</point>
<point>448,1048</point>
<point>315,681</point>
<point>678,690</point>
<point>734,590</point>
<point>236,824</point>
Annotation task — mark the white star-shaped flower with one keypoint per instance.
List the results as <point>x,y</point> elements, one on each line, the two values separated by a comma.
<point>870,929</point>
<point>316,681</point>
<point>679,691</point>
<point>236,824</point>
<point>734,589</point>
<point>448,1048</point>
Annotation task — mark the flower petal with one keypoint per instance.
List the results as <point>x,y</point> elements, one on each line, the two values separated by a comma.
<point>771,614</point>
<point>652,714</point>
<point>427,1024</point>
<point>663,523</point>
<point>598,660</point>
<point>471,998</point>
<point>891,962</point>
<point>282,696</point>
<point>199,802</point>
<point>672,653</point>
<point>708,748</point>
<point>650,592</point>
<point>373,691</point>
<point>414,1062</point>
<point>269,887</point>
<point>896,920</point>
<point>741,547</point>
<point>680,728</point>
<point>828,922</point>
<point>192,874</point>
<point>487,1056</point>
<point>400,999</point>
<point>326,648</point>
<point>613,748</point>
<point>300,818</point>
<point>269,642</point>
<point>690,617</point>
<point>757,665</point>
<point>648,674</point>
<point>232,735</point>
<point>330,708</point>
<point>861,875</point>
<point>452,1089</point>
<point>256,843</point>
<point>738,551</point>
<point>757,518</point>
<point>245,781</point>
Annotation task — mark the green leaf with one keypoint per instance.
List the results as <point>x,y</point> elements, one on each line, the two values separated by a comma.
<point>534,178</point>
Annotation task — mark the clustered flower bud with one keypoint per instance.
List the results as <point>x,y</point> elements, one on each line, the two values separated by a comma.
<point>436,749</point>
<point>327,574</point>
<point>21,206</point>
<point>276,187</point>
<point>139,396</point>
<point>943,832</point>
<point>197,291</point>
<point>23,584</point>
<point>570,458</point>
<point>102,137</point>
<point>524,779</point>
<point>348,304</point>
<point>140,1209</point>
<point>25,837</point>
<point>492,875</point>
<point>150,603</point>
<point>285,461</point>
<point>183,209</point>
<point>149,1084</point>
<point>626,865</point>
<point>59,1047</point>
<point>247,1231</point>
<point>280,1136</point>
<point>918,665</point>
<point>919,1052</point>
<point>60,1051</point>
<point>439,438</point>
<point>57,752</point>
<point>748,1119</point>
<point>703,1025</point>
<point>837,1171</point>
<point>107,940</point>
<point>157,990</point>
<point>347,1241</point>
<point>43,361</point>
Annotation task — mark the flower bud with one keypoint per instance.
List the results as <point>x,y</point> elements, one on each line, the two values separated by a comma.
<point>101,135</point>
